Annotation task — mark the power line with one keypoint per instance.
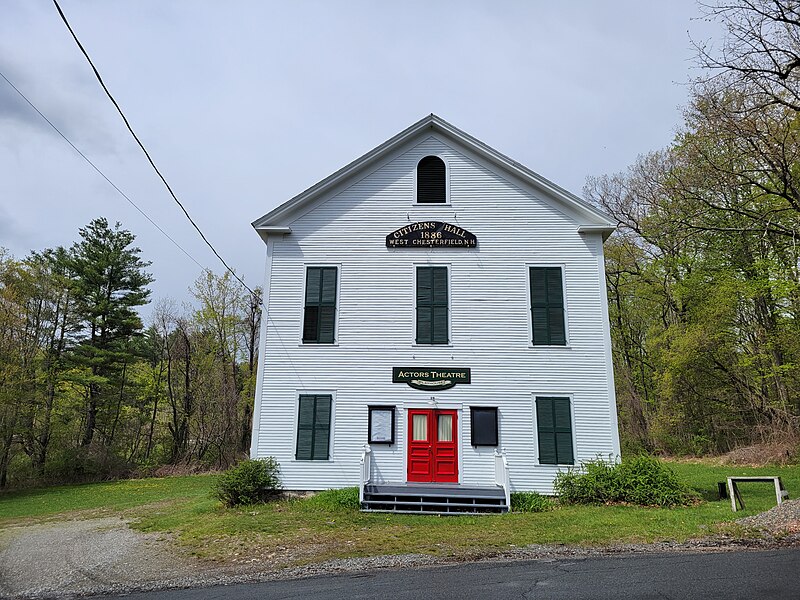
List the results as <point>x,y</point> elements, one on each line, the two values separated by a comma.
<point>169,188</point>
<point>146,153</point>
<point>146,216</point>
<point>103,175</point>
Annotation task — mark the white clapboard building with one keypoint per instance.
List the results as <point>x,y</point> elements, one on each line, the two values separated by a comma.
<point>436,329</point>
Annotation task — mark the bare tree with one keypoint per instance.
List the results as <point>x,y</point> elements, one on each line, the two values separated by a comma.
<point>760,51</point>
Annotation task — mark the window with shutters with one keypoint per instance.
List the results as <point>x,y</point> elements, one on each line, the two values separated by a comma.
<point>484,426</point>
<point>319,315</point>
<point>431,181</point>
<point>554,425</point>
<point>432,306</point>
<point>314,427</point>
<point>547,307</point>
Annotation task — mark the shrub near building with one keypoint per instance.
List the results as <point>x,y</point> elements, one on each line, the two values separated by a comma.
<point>249,482</point>
<point>642,480</point>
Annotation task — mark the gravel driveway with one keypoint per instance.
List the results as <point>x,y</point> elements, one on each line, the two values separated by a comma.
<point>68,559</point>
<point>76,557</point>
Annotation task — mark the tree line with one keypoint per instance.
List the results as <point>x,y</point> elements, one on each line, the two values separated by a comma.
<point>87,391</point>
<point>702,275</point>
<point>703,279</point>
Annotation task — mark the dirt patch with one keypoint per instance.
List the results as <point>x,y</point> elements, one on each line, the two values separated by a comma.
<point>778,453</point>
<point>761,455</point>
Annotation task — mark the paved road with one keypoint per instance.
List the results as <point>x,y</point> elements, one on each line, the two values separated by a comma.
<point>727,575</point>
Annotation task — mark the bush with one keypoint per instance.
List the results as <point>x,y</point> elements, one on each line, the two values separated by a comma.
<point>249,482</point>
<point>597,484</point>
<point>84,465</point>
<point>642,480</point>
<point>530,502</point>
<point>647,481</point>
<point>346,498</point>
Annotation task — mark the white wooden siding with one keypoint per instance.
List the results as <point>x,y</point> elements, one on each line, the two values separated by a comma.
<point>489,315</point>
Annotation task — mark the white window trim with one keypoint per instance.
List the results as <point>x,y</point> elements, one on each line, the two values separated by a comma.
<point>571,397</point>
<point>296,424</point>
<point>563,267</point>
<point>300,342</point>
<point>447,266</point>
<point>446,182</point>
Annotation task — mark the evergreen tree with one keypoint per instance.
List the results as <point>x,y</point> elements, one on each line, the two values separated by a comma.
<point>109,283</point>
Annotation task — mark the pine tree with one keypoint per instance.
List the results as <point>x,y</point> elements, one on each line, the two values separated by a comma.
<point>110,282</point>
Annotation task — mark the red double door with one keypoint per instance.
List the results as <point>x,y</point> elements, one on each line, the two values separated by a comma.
<point>432,446</point>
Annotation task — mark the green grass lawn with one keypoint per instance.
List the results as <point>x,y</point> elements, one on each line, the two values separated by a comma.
<point>295,531</point>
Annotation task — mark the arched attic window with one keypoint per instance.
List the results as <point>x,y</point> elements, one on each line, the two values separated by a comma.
<point>431,184</point>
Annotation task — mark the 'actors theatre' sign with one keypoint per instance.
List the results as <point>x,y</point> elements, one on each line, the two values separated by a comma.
<point>431,234</point>
<point>430,378</point>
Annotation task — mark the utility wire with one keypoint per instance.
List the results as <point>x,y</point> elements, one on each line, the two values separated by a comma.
<point>169,188</point>
<point>145,215</point>
<point>103,175</point>
<point>146,153</point>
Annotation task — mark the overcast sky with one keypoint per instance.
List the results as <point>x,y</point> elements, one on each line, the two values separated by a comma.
<point>244,104</point>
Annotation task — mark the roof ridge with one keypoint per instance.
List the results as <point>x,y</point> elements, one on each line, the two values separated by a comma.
<point>597,218</point>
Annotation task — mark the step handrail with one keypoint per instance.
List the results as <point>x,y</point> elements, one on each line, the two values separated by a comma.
<point>366,468</point>
<point>501,477</point>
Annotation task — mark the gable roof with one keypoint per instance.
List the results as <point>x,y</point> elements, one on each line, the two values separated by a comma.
<point>594,219</point>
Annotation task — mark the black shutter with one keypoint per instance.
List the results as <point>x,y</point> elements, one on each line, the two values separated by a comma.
<point>554,427</point>
<point>432,305</point>
<point>327,316</point>
<point>322,426</point>
<point>431,185</point>
<point>547,307</point>
<point>311,313</point>
<point>563,431</point>
<point>555,306</point>
<point>305,428</point>
<point>319,317</point>
<point>313,427</point>
<point>424,305</point>
<point>484,426</point>
<point>439,328</point>
<point>544,424</point>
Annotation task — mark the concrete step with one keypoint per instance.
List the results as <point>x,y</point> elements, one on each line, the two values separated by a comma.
<point>434,498</point>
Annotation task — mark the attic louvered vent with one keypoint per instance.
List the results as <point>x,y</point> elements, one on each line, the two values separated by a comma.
<point>431,187</point>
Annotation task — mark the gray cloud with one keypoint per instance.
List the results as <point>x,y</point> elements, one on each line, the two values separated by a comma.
<point>245,104</point>
<point>15,237</point>
<point>64,97</point>
<point>13,108</point>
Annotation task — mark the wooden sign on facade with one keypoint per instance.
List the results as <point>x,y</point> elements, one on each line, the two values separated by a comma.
<point>431,234</point>
<point>430,378</point>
